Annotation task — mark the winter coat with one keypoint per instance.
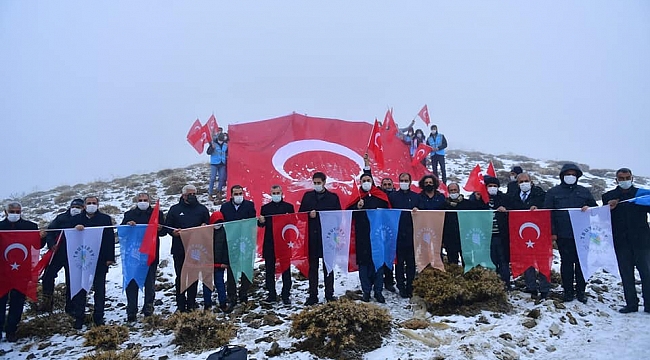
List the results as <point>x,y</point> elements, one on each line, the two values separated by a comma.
<point>362,228</point>
<point>272,208</point>
<point>220,247</point>
<point>500,199</point>
<point>61,221</point>
<point>107,249</point>
<point>142,217</point>
<point>629,221</point>
<point>312,200</point>
<point>451,230</point>
<point>401,199</point>
<point>218,153</point>
<point>437,202</point>
<point>438,141</point>
<point>246,210</point>
<point>21,224</point>
<point>183,216</point>
<point>536,197</point>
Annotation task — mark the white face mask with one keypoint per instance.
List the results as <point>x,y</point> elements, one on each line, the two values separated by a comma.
<point>91,208</point>
<point>513,178</point>
<point>13,217</point>
<point>318,188</point>
<point>75,211</point>
<point>366,186</point>
<point>454,196</point>
<point>404,185</point>
<point>493,190</point>
<point>626,184</point>
<point>143,205</point>
<point>238,199</point>
<point>276,198</point>
<point>525,186</point>
<point>570,179</point>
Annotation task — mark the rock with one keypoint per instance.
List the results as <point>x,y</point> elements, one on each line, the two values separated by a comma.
<point>563,319</point>
<point>596,281</point>
<point>44,345</point>
<point>158,302</point>
<point>163,263</point>
<point>572,320</point>
<point>251,316</point>
<point>275,350</point>
<point>550,348</point>
<point>164,357</point>
<point>555,329</point>
<point>271,319</point>
<point>255,324</point>
<point>506,343</point>
<point>597,289</point>
<point>601,299</point>
<point>506,336</point>
<point>482,320</point>
<point>510,354</point>
<point>31,356</point>
<point>415,324</point>
<point>431,341</point>
<point>529,323</point>
<point>353,295</point>
<point>439,326</point>
<point>559,305</point>
<point>534,314</point>
<point>266,339</point>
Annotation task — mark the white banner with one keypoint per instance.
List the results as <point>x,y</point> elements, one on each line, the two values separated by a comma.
<point>336,226</point>
<point>592,231</point>
<point>83,250</point>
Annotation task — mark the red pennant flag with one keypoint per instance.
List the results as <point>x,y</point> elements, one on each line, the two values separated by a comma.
<point>424,115</point>
<point>475,182</point>
<point>490,170</point>
<point>47,257</point>
<point>376,145</point>
<point>290,242</point>
<point>150,239</point>
<point>442,188</point>
<point>19,251</point>
<point>389,123</point>
<point>421,153</point>
<point>530,241</point>
<point>197,136</point>
<point>212,125</point>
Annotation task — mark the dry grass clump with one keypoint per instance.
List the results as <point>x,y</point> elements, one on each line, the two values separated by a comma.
<point>111,209</point>
<point>106,337</point>
<point>198,331</point>
<point>126,354</point>
<point>45,326</point>
<point>341,329</point>
<point>452,292</point>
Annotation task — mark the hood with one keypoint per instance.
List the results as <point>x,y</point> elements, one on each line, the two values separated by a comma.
<point>570,166</point>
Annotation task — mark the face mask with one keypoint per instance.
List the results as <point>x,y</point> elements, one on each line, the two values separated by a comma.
<point>388,190</point>
<point>625,184</point>
<point>91,208</point>
<point>318,188</point>
<point>218,226</point>
<point>143,205</point>
<point>75,211</point>
<point>13,217</point>
<point>454,196</point>
<point>570,179</point>
<point>404,185</point>
<point>420,136</point>
<point>525,186</point>
<point>238,199</point>
<point>219,142</point>
<point>366,186</point>
<point>192,200</point>
<point>429,188</point>
<point>276,198</point>
<point>493,190</point>
<point>513,178</point>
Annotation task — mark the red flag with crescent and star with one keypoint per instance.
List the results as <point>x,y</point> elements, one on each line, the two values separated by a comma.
<point>421,153</point>
<point>530,241</point>
<point>389,125</point>
<point>198,136</point>
<point>376,144</point>
<point>424,114</point>
<point>212,125</point>
<point>19,251</point>
<point>490,170</point>
<point>150,239</point>
<point>476,183</point>
<point>290,242</point>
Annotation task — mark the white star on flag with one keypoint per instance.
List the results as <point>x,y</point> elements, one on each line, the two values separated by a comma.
<point>290,244</point>
<point>530,244</point>
<point>14,266</point>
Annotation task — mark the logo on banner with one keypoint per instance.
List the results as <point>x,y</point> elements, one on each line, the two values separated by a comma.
<point>21,247</point>
<point>196,252</point>
<point>530,243</point>
<point>84,257</point>
<point>476,236</point>
<point>243,248</point>
<point>335,238</point>
<point>426,234</point>
<point>595,239</point>
<point>384,232</point>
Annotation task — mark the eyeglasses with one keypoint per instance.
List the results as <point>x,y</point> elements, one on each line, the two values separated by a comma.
<point>91,203</point>
<point>237,194</point>
<point>13,211</point>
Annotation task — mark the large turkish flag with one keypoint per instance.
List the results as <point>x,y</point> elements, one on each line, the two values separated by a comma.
<point>530,241</point>
<point>18,257</point>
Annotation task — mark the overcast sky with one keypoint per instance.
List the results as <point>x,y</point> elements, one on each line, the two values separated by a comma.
<point>95,90</point>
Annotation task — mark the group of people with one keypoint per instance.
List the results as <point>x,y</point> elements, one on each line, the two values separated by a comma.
<point>629,223</point>
<point>437,142</point>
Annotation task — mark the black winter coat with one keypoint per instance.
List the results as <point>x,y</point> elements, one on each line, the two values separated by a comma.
<point>220,247</point>
<point>437,202</point>
<point>246,210</point>
<point>324,201</point>
<point>107,249</point>
<point>362,228</point>
<point>61,221</point>
<point>21,224</point>
<point>272,208</point>
<point>142,217</point>
<point>629,221</point>
<point>401,199</point>
<point>500,199</point>
<point>536,197</point>
<point>451,230</point>
<point>566,196</point>
<point>183,216</point>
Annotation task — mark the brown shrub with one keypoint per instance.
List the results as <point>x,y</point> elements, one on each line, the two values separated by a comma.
<point>199,331</point>
<point>106,337</point>
<point>126,354</point>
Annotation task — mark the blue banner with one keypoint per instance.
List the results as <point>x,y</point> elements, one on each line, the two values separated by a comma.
<point>642,197</point>
<point>383,235</point>
<point>134,263</point>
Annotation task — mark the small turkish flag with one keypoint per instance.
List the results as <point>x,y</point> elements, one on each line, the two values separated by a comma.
<point>150,239</point>
<point>376,144</point>
<point>290,242</point>
<point>389,123</point>
<point>424,114</point>
<point>421,153</point>
<point>476,183</point>
<point>197,136</point>
<point>490,170</point>
<point>530,241</point>
<point>212,125</point>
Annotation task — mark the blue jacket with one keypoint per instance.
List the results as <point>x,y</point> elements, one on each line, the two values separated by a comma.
<point>218,153</point>
<point>439,141</point>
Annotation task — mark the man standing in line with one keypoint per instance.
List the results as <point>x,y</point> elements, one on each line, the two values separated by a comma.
<point>513,185</point>
<point>631,239</point>
<point>187,213</point>
<point>319,199</point>
<point>218,151</point>
<point>439,143</point>
<point>568,195</point>
<point>277,206</point>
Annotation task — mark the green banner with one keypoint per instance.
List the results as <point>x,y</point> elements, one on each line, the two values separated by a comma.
<point>241,236</point>
<point>475,238</point>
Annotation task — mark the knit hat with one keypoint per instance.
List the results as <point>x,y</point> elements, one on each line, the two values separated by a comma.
<point>216,216</point>
<point>77,202</point>
<point>517,170</point>
<point>491,180</point>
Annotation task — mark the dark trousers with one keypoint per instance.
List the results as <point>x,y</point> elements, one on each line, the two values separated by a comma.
<point>388,276</point>
<point>184,300</point>
<point>149,293</point>
<point>231,288</point>
<point>629,257</point>
<point>59,261</point>
<point>269,260</point>
<point>531,276</point>
<point>313,279</point>
<point>99,289</point>
<point>219,285</point>
<point>570,265</point>
<point>405,269</point>
<point>439,160</point>
<point>16,305</point>
<point>499,256</point>
<point>454,252</point>
<point>371,279</point>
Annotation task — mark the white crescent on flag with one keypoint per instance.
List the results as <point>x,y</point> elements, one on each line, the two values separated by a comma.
<point>16,246</point>
<point>529,225</point>
<point>377,135</point>
<point>290,227</point>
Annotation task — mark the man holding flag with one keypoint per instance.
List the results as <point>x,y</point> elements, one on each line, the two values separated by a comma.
<point>142,214</point>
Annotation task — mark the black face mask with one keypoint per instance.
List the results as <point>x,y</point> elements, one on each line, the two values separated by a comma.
<point>429,188</point>
<point>192,200</point>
